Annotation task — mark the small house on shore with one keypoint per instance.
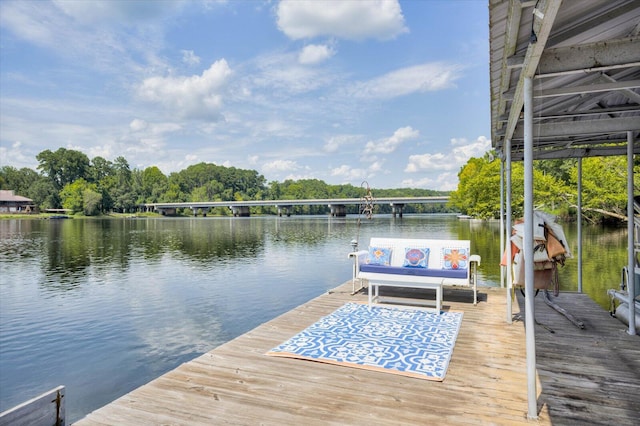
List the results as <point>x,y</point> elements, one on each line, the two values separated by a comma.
<point>11,203</point>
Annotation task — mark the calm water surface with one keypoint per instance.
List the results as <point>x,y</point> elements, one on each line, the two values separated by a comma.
<point>105,306</point>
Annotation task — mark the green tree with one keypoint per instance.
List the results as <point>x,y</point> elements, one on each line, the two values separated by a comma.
<point>208,192</point>
<point>63,166</point>
<point>154,185</point>
<point>172,194</point>
<point>17,180</point>
<point>123,194</point>
<point>91,201</point>
<point>100,169</point>
<point>471,197</point>
<point>43,194</point>
<point>604,187</point>
<point>72,195</point>
<point>478,192</point>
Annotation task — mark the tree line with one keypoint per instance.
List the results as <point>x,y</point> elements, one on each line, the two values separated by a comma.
<point>68,179</point>
<point>555,183</point>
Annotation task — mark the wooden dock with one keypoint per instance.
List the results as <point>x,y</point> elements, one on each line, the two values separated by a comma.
<point>589,376</point>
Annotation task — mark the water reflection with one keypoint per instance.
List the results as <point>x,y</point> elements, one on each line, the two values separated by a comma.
<point>104,306</point>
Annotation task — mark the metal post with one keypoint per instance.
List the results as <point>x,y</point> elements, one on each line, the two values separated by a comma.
<point>579,224</point>
<point>509,221</point>
<point>532,412</point>
<point>354,249</point>
<point>502,246</point>
<point>631,288</point>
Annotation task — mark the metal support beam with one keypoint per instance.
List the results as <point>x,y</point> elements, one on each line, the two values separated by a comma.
<point>530,332</point>
<point>502,227</point>
<point>583,127</point>
<point>542,29</point>
<point>631,288</point>
<point>509,221</point>
<point>596,151</point>
<point>609,85</point>
<point>511,41</point>
<point>599,56</point>
<point>633,96</point>
<point>579,225</point>
<point>588,88</point>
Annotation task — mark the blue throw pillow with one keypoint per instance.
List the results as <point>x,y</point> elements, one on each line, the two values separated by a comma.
<point>379,256</point>
<point>416,257</point>
<point>455,258</point>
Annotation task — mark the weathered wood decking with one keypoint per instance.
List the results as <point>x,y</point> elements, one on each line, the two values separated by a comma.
<point>589,376</point>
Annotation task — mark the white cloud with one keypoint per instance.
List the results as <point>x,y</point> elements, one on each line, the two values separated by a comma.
<point>197,96</point>
<point>115,11</point>
<point>436,161</point>
<point>461,153</point>
<point>91,34</point>
<point>315,53</point>
<point>348,173</point>
<point>280,166</point>
<point>33,21</point>
<point>155,129</point>
<point>138,125</point>
<point>375,167</point>
<point>190,58</point>
<point>282,74</point>
<point>334,143</point>
<point>464,150</point>
<point>416,79</point>
<point>390,144</point>
<point>447,181</point>
<point>352,20</point>
<point>15,156</point>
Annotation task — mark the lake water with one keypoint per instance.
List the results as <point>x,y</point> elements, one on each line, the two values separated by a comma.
<point>105,306</point>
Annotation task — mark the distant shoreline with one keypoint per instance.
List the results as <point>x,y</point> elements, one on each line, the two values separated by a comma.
<point>71,216</point>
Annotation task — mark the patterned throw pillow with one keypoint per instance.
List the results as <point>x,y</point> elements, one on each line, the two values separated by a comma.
<point>379,256</point>
<point>455,258</point>
<point>416,257</point>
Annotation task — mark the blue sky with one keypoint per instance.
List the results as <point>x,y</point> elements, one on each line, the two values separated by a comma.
<point>392,93</point>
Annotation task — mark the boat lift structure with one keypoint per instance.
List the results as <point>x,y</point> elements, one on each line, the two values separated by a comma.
<point>565,79</point>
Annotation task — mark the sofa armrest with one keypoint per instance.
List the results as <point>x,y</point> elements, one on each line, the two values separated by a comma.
<point>360,256</point>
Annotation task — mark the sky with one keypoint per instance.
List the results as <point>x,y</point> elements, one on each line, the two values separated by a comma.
<point>391,93</point>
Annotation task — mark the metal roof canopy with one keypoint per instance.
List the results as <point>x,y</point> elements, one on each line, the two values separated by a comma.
<point>565,83</point>
<point>584,58</point>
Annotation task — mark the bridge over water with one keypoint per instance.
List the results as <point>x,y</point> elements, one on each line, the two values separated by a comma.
<point>337,206</point>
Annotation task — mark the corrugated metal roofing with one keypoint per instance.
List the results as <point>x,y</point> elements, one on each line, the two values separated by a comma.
<point>584,57</point>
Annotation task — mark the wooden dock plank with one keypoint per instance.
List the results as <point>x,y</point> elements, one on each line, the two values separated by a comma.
<point>237,383</point>
<point>590,375</point>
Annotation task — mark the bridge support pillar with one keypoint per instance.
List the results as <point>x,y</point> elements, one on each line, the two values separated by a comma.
<point>396,209</point>
<point>240,211</point>
<point>338,210</point>
<point>167,211</point>
<point>286,209</point>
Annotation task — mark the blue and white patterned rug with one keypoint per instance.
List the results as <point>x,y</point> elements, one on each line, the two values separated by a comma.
<point>410,342</point>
